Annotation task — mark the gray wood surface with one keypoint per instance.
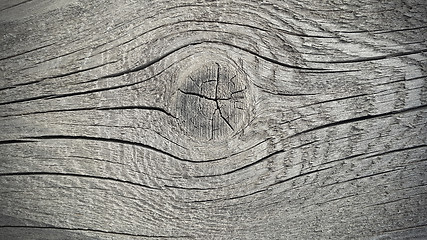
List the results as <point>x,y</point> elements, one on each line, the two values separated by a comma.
<point>213,119</point>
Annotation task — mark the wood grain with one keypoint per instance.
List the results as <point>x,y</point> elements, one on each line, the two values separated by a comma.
<point>213,119</point>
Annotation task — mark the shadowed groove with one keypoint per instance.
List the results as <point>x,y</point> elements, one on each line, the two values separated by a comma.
<point>363,118</point>
<point>120,141</point>
<point>243,167</point>
<point>76,175</point>
<point>14,141</point>
<point>158,109</point>
<point>95,230</point>
<point>150,63</point>
<point>376,58</point>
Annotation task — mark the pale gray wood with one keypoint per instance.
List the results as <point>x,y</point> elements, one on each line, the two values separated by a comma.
<point>213,119</point>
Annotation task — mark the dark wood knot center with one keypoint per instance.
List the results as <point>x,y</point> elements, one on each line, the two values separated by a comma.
<point>212,101</point>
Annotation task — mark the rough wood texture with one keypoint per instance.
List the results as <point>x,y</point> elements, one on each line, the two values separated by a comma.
<point>213,119</point>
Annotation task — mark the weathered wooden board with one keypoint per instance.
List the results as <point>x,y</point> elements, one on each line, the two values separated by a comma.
<point>213,119</point>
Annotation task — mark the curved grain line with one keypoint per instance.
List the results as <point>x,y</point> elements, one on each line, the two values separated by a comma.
<point>29,51</point>
<point>27,99</point>
<point>145,65</point>
<point>156,28</point>
<point>227,199</point>
<point>363,118</point>
<point>243,167</point>
<point>374,154</point>
<point>120,141</point>
<point>262,190</point>
<point>362,177</point>
<point>46,97</point>
<point>93,109</point>
<point>14,141</point>
<point>299,175</point>
<point>15,5</point>
<point>382,31</point>
<point>76,175</point>
<point>93,230</point>
<point>376,58</point>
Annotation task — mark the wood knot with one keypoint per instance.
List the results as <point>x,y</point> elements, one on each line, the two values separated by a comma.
<point>212,100</point>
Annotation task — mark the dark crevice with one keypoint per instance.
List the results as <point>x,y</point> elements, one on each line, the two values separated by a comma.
<point>305,144</point>
<point>77,71</point>
<point>247,149</point>
<point>363,118</point>
<point>397,150</point>
<point>120,141</point>
<point>75,175</point>
<point>113,140</point>
<point>328,71</point>
<point>227,199</point>
<point>22,53</point>
<point>337,99</point>
<point>244,167</point>
<point>21,84</point>
<point>235,92</point>
<point>15,5</point>
<point>14,141</point>
<point>202,96</point>
<point>298,176</point>
<point>388,202</point>
<point>95,109</point>
<point>366,59</point>
<point>27,99</point>
<point>361,177</point>
<point>170,140</point>
<point>222,116</point>
<point>97,159</point>
<point>216,99</point>
<point>143,66</point>
<point>93,230</point>
<point>288,94</point>
<point>63,55</point>
<point>336,199</point>
<point>190,188</point>
<point>55,96</point>
<point>48,111</point>
<point>405,228</point>
<point>220,22</point>
<point>5,88</point>
<point>402,80</point>
<point>52,96</point>
<point>283,93</point>
<point>343,159</point>
<point>379,31</point>
<point>137,107</point>
<point>267,58</point>
<point>261,29</point>
<point>58,76</point>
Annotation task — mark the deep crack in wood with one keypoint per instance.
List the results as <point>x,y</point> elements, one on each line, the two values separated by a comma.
<point>212,102</point>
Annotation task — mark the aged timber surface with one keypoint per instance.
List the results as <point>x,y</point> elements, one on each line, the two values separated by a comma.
<point>213,119</point>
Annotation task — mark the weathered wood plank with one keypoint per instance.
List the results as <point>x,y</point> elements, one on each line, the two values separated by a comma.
<point>213,119</point>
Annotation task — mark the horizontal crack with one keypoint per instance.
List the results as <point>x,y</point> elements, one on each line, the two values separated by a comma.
<point>203,96</point>
<point>363,118</point>
<point>75,175</point>
<point>243,167</point>
<point>94,230</point>
<point>366,59</point>
<point>94,109</point>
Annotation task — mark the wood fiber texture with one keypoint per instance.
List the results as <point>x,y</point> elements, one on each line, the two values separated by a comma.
<point>213,119</point>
